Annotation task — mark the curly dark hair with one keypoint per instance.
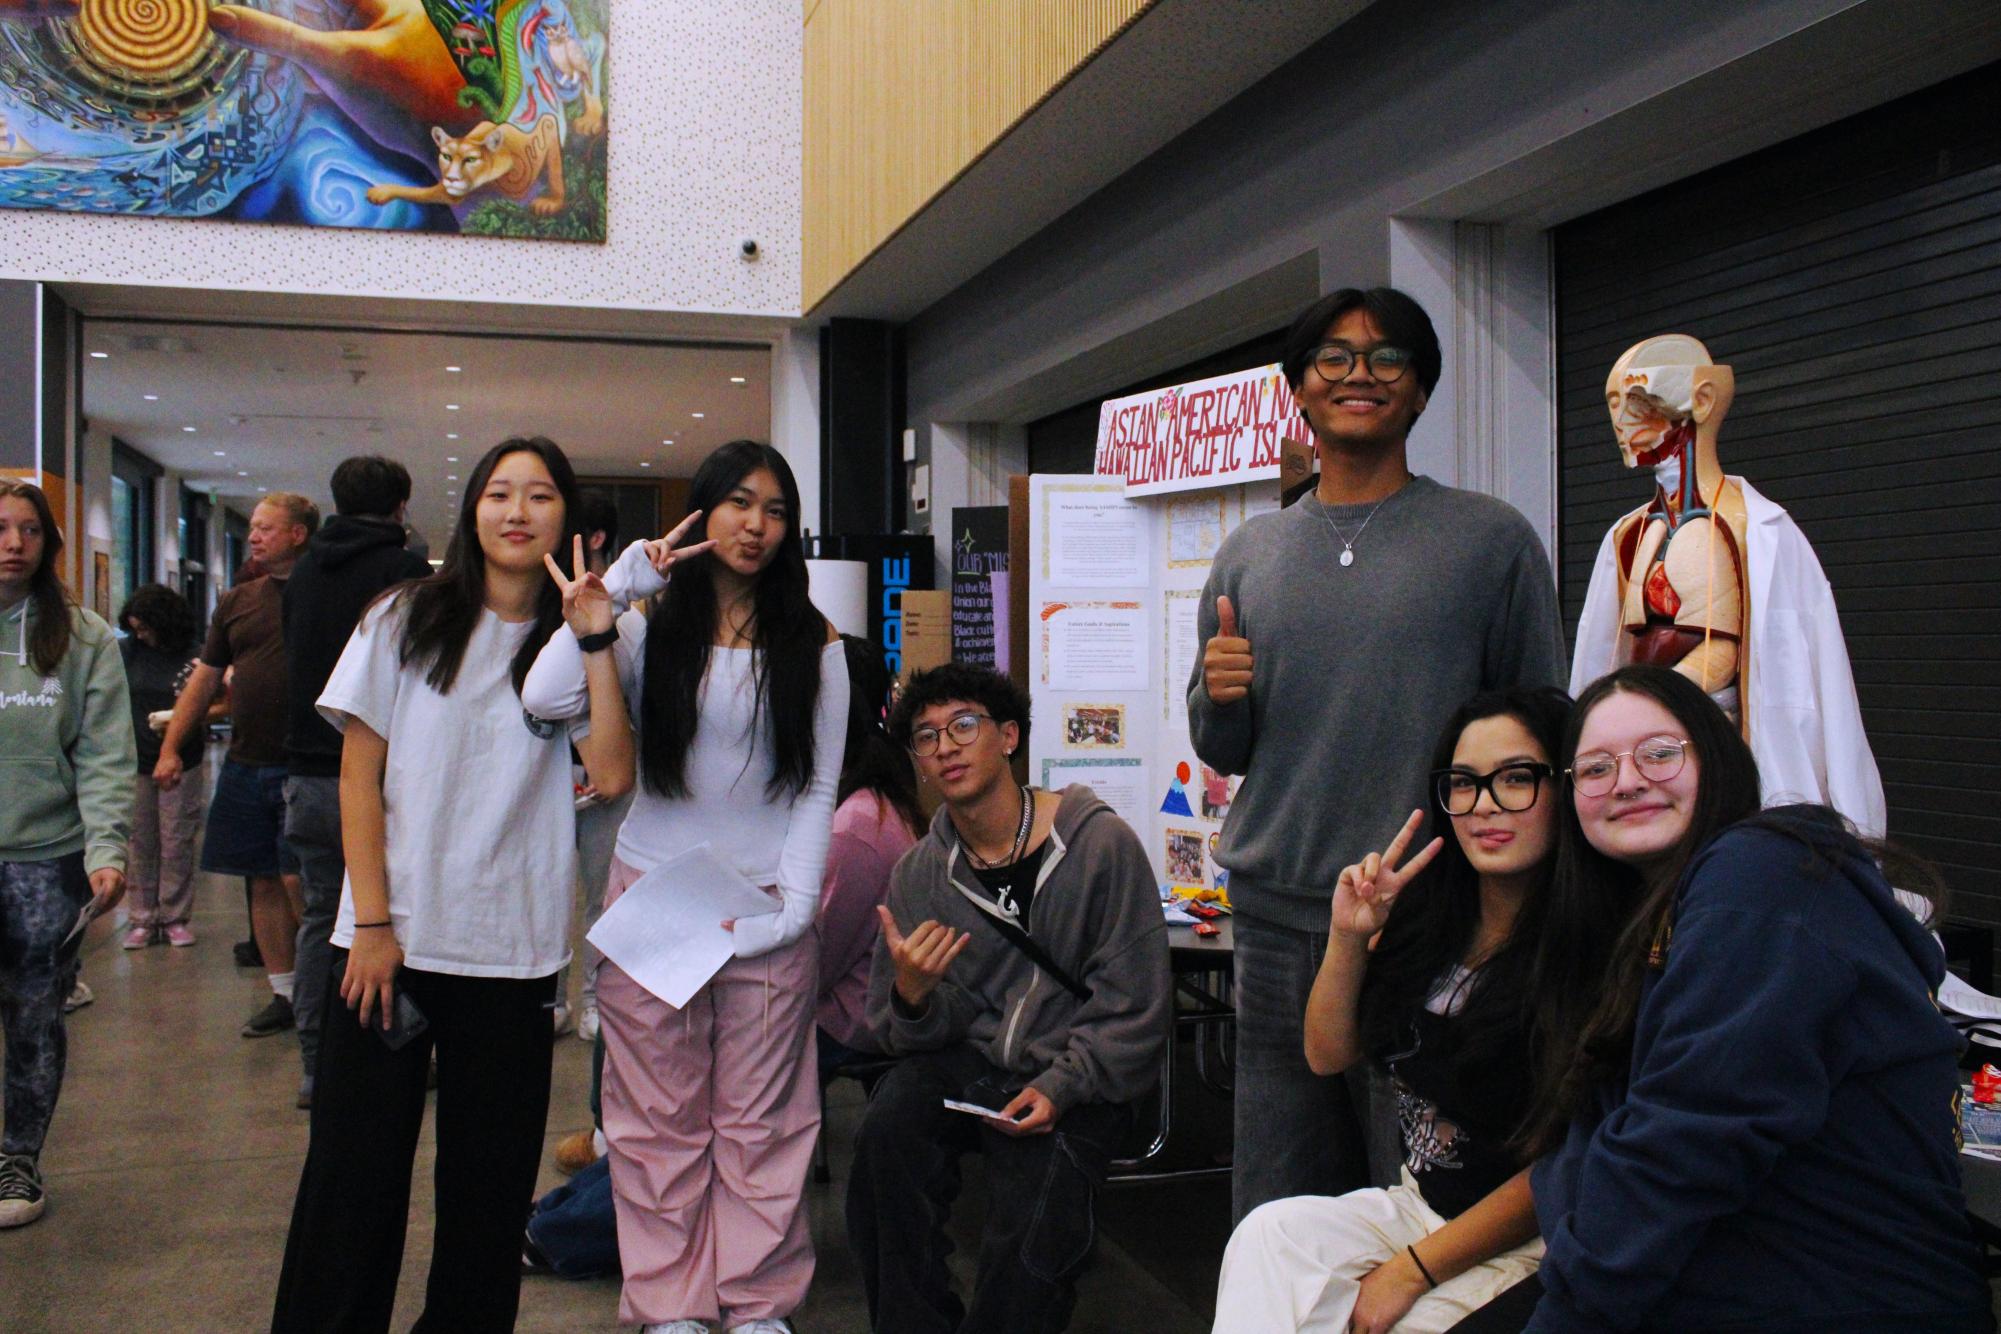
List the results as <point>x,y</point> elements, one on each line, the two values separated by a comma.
<point>164,612</point>
<point>1005,701</point>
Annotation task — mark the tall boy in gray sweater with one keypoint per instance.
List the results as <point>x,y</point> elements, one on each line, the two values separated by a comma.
<point>1339,634</point>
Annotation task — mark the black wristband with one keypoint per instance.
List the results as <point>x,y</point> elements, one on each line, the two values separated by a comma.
<point>364,926</point>
<point>598,642</point>
<point>1420,1266</point>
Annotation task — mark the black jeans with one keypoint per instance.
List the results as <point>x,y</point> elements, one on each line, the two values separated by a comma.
<point>1040,1218</point>
<point>493,1038</point>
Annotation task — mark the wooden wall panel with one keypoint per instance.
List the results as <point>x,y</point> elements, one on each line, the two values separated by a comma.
<point>903,95</point>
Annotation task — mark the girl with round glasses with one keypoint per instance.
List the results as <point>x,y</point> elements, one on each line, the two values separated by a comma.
<point>1440,967</point>
<point>1755,1129</point>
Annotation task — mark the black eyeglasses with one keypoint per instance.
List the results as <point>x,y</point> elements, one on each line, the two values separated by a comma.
<point>1658,759</point>
<point>1514,787</point>
<point>962,730</point>
<point>1386,363</point>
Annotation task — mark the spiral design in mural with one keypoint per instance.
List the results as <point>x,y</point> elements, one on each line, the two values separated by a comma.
<point>144,40</point>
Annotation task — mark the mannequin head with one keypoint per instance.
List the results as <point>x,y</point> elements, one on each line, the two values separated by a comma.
<point>1666,394</point>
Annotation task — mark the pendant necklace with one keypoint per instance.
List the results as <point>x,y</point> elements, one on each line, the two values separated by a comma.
<point>1348,543</point>
<point>1005,894</point>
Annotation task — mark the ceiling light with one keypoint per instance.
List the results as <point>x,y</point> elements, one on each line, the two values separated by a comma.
<point>644,464</point>
<point>453,369</point>
<point>451,407</point>
<point>152,398</point>
<point>451,458</point>
<point>100,355</point>
<point>189,429</point>
<point>666,442</point>
<point>222,453</point>
<point>451,435</point>
<point>451,477</point>
<point>694,414</point>
<point>241,473</point>
<point>736,379</point>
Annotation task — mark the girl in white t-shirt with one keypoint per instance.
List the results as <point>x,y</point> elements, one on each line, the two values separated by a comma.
<point>458,823</point>
<point>740,692</point>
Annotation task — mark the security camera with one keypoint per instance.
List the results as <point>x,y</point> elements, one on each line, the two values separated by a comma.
<point>748,247</point>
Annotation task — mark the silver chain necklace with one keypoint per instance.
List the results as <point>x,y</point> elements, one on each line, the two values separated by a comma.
<point>1348,543</point>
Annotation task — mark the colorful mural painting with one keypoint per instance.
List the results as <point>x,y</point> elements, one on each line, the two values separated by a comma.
<point>485,117</point>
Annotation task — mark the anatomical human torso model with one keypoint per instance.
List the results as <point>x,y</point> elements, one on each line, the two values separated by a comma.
<point>1712,580</point>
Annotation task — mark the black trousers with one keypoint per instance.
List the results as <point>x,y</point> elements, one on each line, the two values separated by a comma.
<point>1040,1217</point>
<point>493,1038</point>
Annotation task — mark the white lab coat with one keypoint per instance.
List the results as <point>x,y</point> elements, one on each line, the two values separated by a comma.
<point>1805,722</point>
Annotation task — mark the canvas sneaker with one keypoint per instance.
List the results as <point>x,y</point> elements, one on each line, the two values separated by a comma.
<point>138,938</point>
<point>22,1198</point>
<point>770,1325</point>
<point>79,996</point>
<point>273,1018</point>
<point>587,1022</point>
<point>677,1327</point>
<point>180,935</point>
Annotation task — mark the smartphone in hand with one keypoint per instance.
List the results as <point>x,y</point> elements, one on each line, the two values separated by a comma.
<point>406,1021</point>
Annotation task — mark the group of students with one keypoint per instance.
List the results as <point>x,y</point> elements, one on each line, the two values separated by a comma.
<point>1660,1058</point>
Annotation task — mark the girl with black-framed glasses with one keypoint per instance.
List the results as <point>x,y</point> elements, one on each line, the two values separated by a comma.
<point>1440,962</point>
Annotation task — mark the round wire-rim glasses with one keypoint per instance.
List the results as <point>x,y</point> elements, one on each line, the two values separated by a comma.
<point>1514,787</point>
<point>1658,758</point>
<point>962,730</point>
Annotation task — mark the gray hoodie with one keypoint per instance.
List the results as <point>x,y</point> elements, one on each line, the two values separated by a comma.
<point>1096,912</point>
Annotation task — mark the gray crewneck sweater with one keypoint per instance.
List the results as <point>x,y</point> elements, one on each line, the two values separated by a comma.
<point>1355,669</point>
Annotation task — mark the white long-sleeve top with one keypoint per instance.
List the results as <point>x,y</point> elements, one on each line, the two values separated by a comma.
<point>782,841</point>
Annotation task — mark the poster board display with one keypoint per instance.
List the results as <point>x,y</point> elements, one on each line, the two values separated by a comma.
<point>979,585</point>
<point>1109,660</point>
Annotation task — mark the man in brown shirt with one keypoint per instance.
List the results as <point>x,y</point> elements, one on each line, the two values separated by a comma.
<point>246,821</point>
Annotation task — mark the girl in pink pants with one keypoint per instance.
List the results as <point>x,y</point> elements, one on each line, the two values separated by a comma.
<point>738,690</point>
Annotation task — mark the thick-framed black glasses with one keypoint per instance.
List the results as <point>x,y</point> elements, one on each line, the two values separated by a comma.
<point>1514,787</point>
<point>1386,363</point>
<point>962,730</point>
<point>1658,759</point>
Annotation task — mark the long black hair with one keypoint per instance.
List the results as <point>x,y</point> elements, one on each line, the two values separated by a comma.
<point>45,588</point>
<point>871,760</point>
<point>164,612</point>
<point>1593,1044</point>
<point>681,631</point>
<point>1436,918</point>
<point>443,609</point>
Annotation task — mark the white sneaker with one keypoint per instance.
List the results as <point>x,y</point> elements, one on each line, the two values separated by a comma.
<point>769,1325</point>
<point>587,1023</point>
<point>22,1199</point>
<point>79,996</point>
<point>561,1014</point>
<point>677,1327</point>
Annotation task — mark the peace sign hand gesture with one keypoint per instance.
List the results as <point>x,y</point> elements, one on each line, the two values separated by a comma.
<point>587,605</point>
<point>1368,890</point>
<point>663,554</point>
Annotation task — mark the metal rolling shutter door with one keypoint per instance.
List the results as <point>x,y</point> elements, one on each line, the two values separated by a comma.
<point>1853,279</point>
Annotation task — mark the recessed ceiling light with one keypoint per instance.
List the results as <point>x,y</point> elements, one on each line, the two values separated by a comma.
<point>451,458</point>
<point>644,464</point>
<point>152,398</point>
<point>451,477</point>
<point>222,453</point>
<point>241,473</point>
<point>694,414</point>
<point>451,407</point>
<point>453,369</point>
<point>189,429</point>
<point>451,435</point>
<point>100,355</point>
<point>666,442</point>
<point>736,379</point>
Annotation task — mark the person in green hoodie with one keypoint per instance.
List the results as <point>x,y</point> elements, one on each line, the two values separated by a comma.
<point>66,761</point>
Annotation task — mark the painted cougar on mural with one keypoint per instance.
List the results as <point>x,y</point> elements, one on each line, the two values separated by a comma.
<point>498,157</point>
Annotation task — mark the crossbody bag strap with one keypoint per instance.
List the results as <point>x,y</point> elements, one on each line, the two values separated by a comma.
<point>1028,945</point>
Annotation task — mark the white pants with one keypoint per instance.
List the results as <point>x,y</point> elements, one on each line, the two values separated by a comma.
<point>1298,1264</point>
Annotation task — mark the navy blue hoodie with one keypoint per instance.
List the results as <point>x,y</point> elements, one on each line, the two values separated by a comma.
<point>1784,1156</point>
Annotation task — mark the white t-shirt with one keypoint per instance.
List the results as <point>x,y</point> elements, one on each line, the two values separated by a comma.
<point>480,815</point>
<point>780,842</point>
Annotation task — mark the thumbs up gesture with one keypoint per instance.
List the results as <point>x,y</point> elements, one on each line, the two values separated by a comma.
<point>1226,659</point>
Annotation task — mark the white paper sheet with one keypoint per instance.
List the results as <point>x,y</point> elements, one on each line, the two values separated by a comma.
<point>666,930</point>
<point>1095,647</point>
<point>1093,537</point>
<point>1119,783</point>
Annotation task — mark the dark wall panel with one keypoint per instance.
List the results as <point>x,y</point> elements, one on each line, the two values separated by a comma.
<point>1853,279</point>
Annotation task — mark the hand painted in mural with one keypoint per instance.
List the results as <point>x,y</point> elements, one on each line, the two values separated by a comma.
<point>493,156</point>
<point>1681,564</point>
